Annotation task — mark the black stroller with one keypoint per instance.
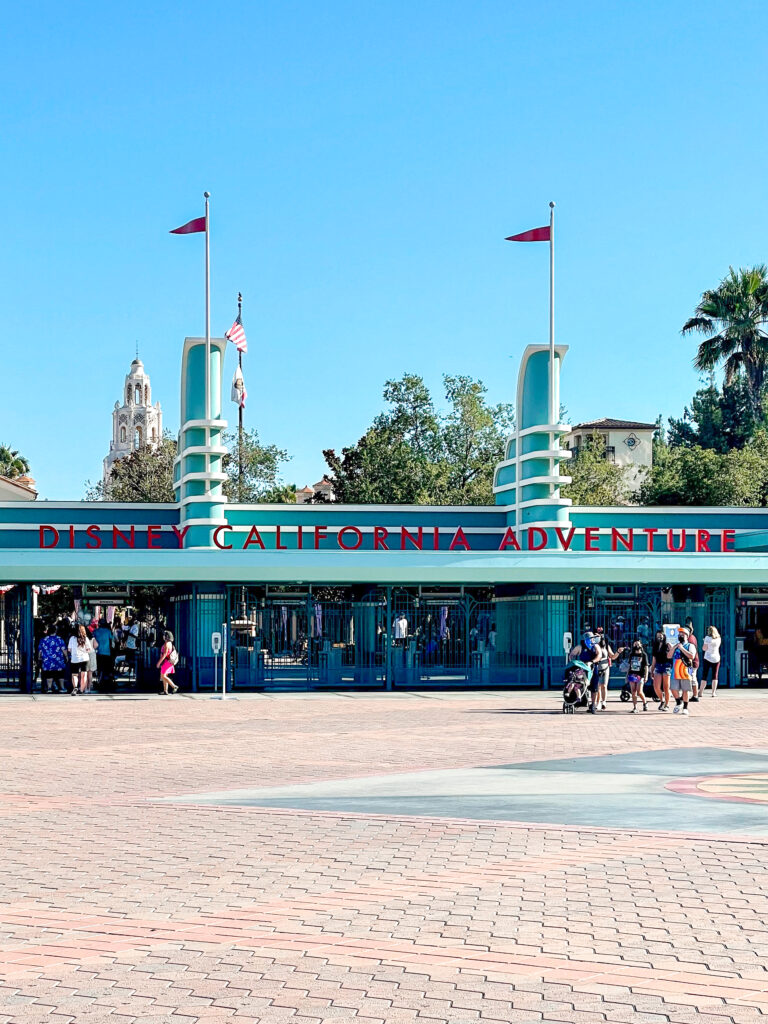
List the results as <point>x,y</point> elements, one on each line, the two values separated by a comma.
<point>576,686</point>
<point>626,690</point>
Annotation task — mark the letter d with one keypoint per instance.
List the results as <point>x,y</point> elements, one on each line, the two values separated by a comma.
<point>55,533</point>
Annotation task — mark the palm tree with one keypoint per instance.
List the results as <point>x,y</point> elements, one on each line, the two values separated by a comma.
<point>734,316</point>
<point>11,463</point>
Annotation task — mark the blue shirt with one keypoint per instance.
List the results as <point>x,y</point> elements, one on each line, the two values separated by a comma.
<point>103,638</point>
<point>53,654</point>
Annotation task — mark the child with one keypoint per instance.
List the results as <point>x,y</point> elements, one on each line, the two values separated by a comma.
<point>637,675</point>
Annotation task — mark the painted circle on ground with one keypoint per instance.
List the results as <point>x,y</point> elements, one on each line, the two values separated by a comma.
<point>748,787</point>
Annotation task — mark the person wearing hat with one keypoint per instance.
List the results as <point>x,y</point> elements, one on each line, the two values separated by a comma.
<point>683,655</point>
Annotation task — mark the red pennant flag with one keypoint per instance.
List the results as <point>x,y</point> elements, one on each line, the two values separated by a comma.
<point>198,224</point>
<point>534,235</point>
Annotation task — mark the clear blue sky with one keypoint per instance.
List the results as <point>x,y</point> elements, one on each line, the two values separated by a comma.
<point>366,161</point>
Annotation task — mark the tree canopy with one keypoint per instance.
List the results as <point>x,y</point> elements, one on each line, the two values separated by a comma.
<point>12,464</point>
<point>595,480</point>
<point>261,470</point>
<point>694,475</point>
<point>734,318</point>
<point>146,475</point>
<point>416,454</point>
<point>719,417</point>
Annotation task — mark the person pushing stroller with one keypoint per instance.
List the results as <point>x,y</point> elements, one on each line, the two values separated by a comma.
<point>581,680</point>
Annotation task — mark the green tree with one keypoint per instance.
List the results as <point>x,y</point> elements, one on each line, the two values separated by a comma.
<point>412,416</point>
<point>595,480</point>
<point>733,317</point>
<point>703,476</point>
<point>146,475</point>
<point>261,464</point>
<point>11,463</point>
<point>473,435</point>
<point>382,468</point>
<point>719,418</point>
<point>413,454</point>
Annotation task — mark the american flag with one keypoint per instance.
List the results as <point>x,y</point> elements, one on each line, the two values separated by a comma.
<point>236,333</point>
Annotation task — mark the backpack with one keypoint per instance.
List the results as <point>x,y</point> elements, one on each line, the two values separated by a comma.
<point>682,669</point>
<point>173,657</point>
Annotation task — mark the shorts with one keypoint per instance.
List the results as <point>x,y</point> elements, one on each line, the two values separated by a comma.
<point>682,685</point>
<point>78,666</point>
<point>634,680</point>
<point>663,668</point>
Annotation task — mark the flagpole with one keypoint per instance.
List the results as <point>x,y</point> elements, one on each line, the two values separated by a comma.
<point>554,414</point>
<point>207,196</point>
<point>240,413</point>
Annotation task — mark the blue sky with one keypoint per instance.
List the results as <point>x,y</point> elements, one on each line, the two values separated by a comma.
<point>366,161</point>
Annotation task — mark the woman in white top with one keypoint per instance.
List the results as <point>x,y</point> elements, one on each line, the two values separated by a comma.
<point>79,656</point>
<point>710,665</point>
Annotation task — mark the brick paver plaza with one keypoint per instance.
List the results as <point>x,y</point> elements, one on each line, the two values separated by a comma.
<point>121,906</point>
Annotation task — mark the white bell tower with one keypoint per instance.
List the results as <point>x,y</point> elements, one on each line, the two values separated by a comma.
<point>136,423</point>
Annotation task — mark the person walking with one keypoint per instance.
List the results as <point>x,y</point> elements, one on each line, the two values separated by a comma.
<point>711,661</point>
<point>53,661</point>
<point>166,663</point>
<point>637,675</point>
<point>92,664</point>
<point>104,639</point>
<point>694,668</point>
<point>606,655</point>
<point>131,635</point>
<point>682,667</point>
<point>588,653</point>
<point>80,648</point>
<point>661,668</point>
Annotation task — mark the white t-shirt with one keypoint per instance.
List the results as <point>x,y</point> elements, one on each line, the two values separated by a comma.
<point>401,627</point>
<point>133,633</point>
<point>712,649</point>
<point>79,655</point>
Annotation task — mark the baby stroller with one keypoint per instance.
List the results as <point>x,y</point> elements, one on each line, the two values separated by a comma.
<point>576,686</point>
<point>648,691</point>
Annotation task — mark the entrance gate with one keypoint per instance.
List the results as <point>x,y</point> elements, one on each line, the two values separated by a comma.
<point>303,640</point>
<point>17,644</point>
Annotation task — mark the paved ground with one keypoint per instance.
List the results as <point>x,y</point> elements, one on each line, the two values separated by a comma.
<point>120,905</point>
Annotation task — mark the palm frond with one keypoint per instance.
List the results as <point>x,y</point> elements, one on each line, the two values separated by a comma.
<point>709,354</point>
<point>697,323</point>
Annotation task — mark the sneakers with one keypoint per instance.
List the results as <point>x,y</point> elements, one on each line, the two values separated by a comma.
<point>645,705</point>
<point>602,705</point>
<point>632,711</point>
<point>685,711</point>
<point>676,709</point>
<point>694,700</point>
<point>662,706</point>
<point>591,709</point>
